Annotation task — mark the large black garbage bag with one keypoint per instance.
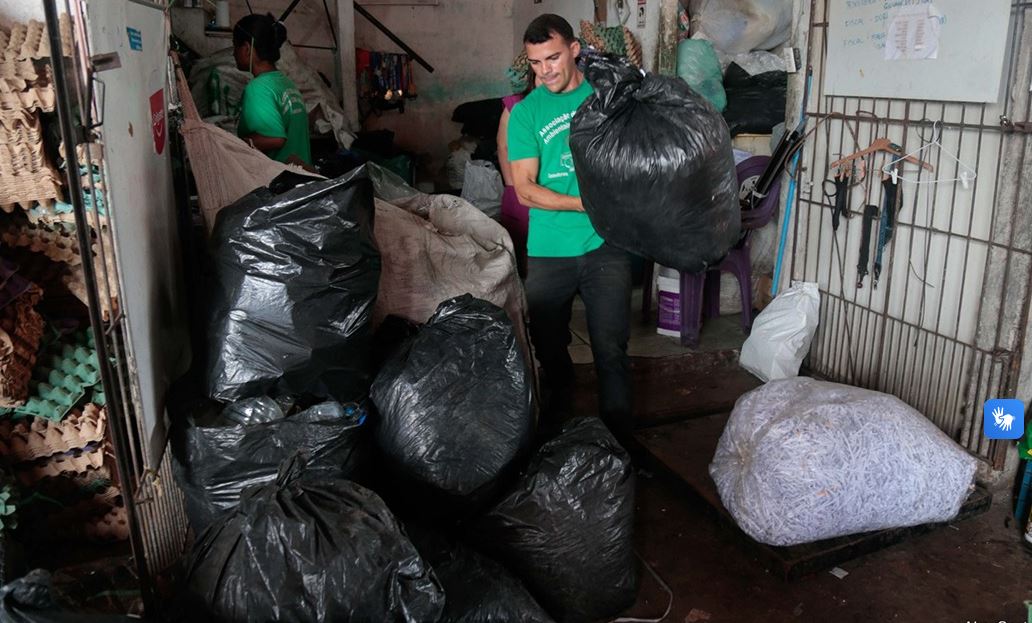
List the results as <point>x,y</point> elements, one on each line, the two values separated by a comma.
<point>306,549</point>
<point>296,276</point>
<point>215,462</point>
<point>755,104</point>
<point>455,401</point>
<point>567,528</point>
<point>30,599</point>
<point>478,589</point>
<point>655,167</point>
<point>480,118</point>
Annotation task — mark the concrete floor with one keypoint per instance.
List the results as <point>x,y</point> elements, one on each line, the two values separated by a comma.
<point>718,334</point>
<point>973,570</point>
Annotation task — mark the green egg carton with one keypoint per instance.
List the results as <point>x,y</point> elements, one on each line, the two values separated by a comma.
<point>62,375</point>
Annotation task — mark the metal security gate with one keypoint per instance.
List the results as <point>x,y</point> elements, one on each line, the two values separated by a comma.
<point>945,326</point>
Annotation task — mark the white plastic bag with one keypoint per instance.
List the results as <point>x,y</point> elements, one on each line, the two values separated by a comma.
<point>455,167</point>
<point>802,460</point>
<point>754,63</point>
<point>781,334</point>
<point>483,187</point>
<point>740,26</point>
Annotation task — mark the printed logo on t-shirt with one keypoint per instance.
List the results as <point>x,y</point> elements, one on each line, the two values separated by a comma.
<point>555,127</point>
<point>291,102</point>
<point>566,163</point>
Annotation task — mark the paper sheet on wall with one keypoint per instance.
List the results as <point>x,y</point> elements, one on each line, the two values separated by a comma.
<point>913,33</point>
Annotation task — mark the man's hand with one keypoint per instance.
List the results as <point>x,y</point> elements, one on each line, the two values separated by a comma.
<point>532,194</point>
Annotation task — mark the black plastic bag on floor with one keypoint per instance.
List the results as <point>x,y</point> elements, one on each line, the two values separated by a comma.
<point>214,462</point>
<point>479,589</point>
<point>755,104</point>
<point>30,599</point>
<point>655,167</point>
<point>304,549</point>
<point>455,401</point>
<point>567,528</point>
<point>296,277</point>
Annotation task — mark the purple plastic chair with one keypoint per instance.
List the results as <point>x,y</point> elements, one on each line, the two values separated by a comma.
<point>700,292</point>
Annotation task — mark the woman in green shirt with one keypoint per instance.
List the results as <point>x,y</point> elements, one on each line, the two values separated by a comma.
<point>272,113</point>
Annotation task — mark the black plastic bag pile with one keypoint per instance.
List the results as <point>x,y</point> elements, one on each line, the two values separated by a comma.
<point>755,104</point>
<point>296,276</point>
<point>284,531</point>
<point>303,549</point>
<point>456,418</point>
<point>215,461</point>
<point>655,167</point>
<point>30,599</point>
<point>478,589</point>
<point>567,528</point>
<point>455,401</point>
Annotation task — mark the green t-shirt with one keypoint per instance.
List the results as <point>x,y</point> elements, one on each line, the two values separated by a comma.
<point>539,127</point>
<point>272,106</point>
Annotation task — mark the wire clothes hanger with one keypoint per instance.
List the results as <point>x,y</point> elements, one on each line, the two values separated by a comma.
<point>880,144</point>
<point>966,173</point>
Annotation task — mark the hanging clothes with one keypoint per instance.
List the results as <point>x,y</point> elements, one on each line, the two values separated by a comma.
<point>384,75</point>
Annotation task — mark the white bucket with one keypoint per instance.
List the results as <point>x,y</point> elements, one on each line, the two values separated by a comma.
<point>222,14</point>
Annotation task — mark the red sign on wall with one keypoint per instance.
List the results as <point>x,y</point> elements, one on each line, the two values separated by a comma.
<point>157,112</point>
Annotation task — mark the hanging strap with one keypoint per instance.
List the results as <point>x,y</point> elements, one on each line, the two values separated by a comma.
<point>870,214</point>
<point>841,207</point>
<point>890,202</point>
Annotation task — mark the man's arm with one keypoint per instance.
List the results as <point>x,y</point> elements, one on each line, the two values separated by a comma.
<point>524,173</point>
<point>265,143</point>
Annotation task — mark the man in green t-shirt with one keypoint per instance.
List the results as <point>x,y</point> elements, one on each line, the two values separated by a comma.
<point>566,256</point>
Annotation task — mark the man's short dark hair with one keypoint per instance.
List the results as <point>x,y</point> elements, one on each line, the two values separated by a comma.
<point>545,26</point>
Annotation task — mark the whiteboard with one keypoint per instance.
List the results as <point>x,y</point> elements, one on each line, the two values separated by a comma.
<point>970,55</point>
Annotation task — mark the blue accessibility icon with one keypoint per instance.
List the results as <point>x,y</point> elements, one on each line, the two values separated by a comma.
<point>1004,418</point>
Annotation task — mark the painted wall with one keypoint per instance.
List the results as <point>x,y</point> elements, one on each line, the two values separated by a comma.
<point>469,44</point>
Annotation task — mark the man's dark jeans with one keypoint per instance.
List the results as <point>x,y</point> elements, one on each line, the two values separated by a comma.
<point>603,280</point>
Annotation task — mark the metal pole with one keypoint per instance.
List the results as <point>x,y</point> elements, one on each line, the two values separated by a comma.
<point>393,37</point>
<point>116,419</point>
<point>290,9</point>
<point>793,175</point>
